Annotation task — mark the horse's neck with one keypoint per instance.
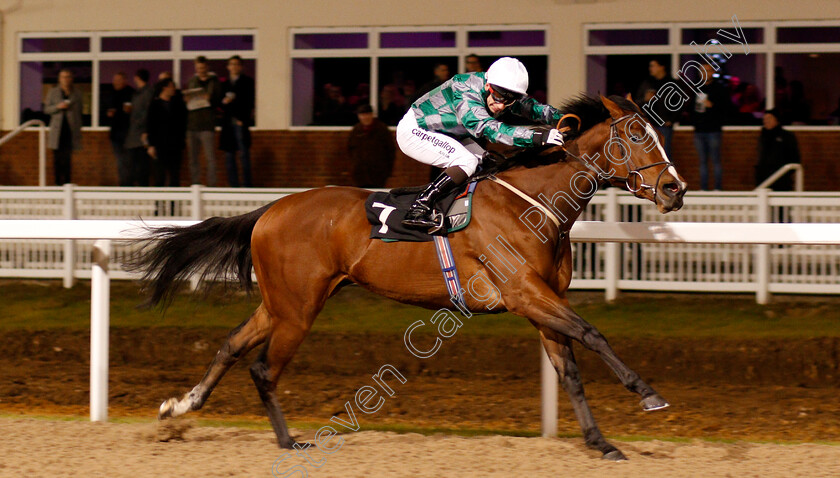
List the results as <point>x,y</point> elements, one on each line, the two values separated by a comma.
<point>552,186</point>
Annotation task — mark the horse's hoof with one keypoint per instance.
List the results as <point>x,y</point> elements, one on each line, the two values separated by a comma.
<point>292,444</point>
<point>614,455</point>
<point>654,402</point>
<point>166,408</point>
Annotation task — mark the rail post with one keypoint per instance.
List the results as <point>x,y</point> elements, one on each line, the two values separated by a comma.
<point>762,252</point>
<point>100,299</point>
<point>549,395</point>
<point>612,261</point>
<point>196,214</point>
<point>69,245</point>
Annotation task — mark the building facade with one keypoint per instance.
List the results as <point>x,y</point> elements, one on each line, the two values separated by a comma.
<point>313,61</point>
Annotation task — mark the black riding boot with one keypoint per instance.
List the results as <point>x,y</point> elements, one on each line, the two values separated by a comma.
<point>420,214</point>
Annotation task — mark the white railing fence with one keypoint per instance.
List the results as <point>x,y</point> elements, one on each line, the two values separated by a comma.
<point>798,177</point>
<point>761,235</point>
<point>761,270</point>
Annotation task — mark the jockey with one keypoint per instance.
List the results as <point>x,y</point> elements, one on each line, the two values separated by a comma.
<point>442,126</point>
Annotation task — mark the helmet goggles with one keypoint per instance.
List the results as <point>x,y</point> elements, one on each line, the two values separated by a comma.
<point>502,95</point>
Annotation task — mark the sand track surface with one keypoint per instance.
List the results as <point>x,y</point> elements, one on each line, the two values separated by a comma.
<point>38,447</point>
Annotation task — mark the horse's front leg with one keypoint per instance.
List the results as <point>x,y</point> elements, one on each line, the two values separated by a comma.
<point>559,349</point>
<point>533,299</point>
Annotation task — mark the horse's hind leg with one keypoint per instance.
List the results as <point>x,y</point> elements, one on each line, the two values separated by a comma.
<point>559,349</point>
<point>240,341</point>
<point>278,351</point>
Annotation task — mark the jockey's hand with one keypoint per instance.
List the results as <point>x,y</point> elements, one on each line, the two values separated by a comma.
<point>548,136</point>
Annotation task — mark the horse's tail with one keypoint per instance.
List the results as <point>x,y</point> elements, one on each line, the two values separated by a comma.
<point>218,248</point>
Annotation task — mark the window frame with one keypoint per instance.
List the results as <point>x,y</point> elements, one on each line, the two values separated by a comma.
<point>175,55</point>
<point>675,48</point>
<point>374,52</point>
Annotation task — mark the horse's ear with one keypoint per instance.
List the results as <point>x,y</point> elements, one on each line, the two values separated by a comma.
<point>615,111</point>
<point>629,97</point>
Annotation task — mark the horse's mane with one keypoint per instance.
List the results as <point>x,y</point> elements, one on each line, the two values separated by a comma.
<point>591,112</point>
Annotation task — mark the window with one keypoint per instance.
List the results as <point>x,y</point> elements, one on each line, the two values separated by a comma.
<point>149,43</point>
<point>789,65</point>
<point>622,37</point>
<point>335,71</point>
<point>702,35</point>
<point>806,91</point>
<point>96,57</point>
<point>812,34</point>
<point>322,88</point>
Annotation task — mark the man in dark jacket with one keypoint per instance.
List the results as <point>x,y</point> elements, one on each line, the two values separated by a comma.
<point>238,107</point>
<point>371,148</point>
<point>776,148</point>
<point>710,108</point>
<point>647,90</point>
<point>167,127</point>
<point>137,140</point>
<point>117,105</point>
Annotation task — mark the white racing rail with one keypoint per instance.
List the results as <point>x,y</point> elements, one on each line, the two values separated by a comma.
<point>611,267</point>
<point>104,231</point>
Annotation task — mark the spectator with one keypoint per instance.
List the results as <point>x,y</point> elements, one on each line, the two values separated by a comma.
<point>776,148</point>
<point>392,104</point>
<point>658,77</point>
<point>167,75</point>
<point>136,140</point>
<point>238,107</point>
<point>409,90</point>
<point>710,108</point>
<point>747,100</point>
<point>441,73</point>
<point>118,108</point>
<point>167,125</point>
<point>472,62</point>
<point>64,105</point>
<point>332,108</point>
<point>202,95</point>
<point>360,96</point>
<point>371,149</point>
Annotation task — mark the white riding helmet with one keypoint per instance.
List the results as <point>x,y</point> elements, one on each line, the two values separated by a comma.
<point>508,73</point>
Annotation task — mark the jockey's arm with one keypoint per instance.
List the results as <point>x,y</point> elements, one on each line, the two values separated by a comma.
<point>535,111</point>
<point>472,114</point>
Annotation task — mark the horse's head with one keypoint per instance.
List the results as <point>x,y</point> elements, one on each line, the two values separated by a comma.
<point>636,159</point>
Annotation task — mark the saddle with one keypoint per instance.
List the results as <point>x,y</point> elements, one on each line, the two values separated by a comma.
<point>386,210</point>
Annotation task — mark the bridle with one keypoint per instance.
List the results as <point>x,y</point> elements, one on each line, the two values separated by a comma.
<point>633,171</point>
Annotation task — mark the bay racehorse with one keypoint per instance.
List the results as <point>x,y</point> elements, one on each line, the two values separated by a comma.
<point>306,246</point>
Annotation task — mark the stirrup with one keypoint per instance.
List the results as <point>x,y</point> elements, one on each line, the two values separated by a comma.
<point>439,219</point>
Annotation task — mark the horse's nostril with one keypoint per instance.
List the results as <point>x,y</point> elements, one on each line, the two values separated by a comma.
<point>672,188</point>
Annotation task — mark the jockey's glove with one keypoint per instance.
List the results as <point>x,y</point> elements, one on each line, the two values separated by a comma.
<point>546,136</point>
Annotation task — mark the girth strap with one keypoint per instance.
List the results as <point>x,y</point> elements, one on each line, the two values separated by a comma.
<point>450,272</point>
<point>529,199</point>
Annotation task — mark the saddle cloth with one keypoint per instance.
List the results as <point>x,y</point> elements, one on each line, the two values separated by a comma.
<point>385,212</point>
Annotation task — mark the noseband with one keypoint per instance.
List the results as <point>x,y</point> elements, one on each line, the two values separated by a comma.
<point>633,171</point>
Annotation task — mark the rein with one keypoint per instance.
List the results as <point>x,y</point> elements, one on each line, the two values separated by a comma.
<point>528,198</point>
